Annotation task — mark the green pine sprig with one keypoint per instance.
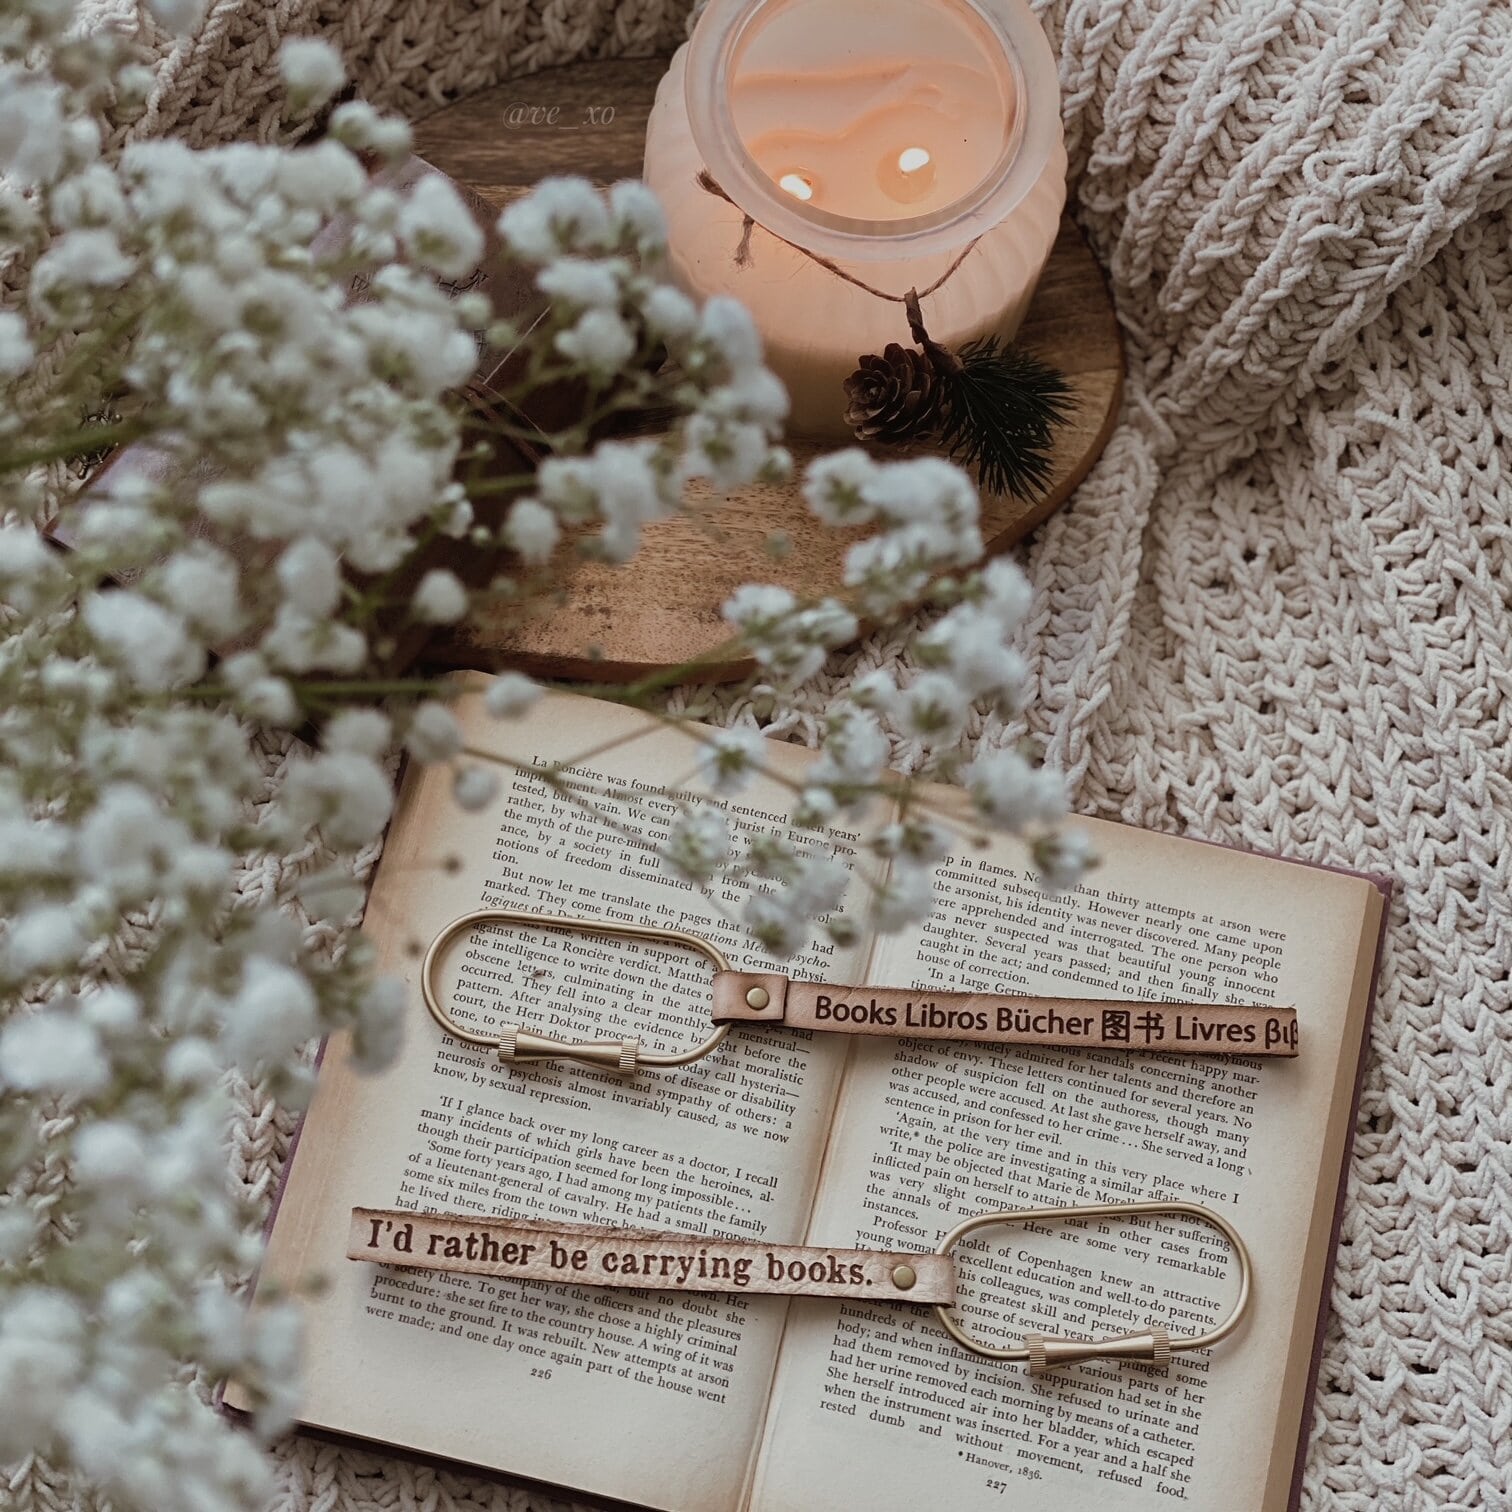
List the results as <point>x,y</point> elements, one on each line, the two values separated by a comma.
<point>1000,407</point>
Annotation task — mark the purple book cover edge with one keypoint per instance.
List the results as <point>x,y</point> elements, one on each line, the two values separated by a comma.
<point>1386,886</point>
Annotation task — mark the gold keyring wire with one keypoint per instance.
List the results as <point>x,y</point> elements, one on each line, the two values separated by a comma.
<point>1090,1348</point>
<point>517,1045</point>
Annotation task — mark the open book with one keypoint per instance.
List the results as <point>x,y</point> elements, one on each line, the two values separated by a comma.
<point>726,1403</point>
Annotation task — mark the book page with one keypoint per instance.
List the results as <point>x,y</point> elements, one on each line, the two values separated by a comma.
<point>877,1406</point>
<point>645,1397</point>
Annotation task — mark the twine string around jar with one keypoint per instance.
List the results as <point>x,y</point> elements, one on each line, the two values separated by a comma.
<point>710,185</point>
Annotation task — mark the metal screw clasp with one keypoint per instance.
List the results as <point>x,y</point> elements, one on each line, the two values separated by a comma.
<point>1152,1346</point>
<point>519,1046</point>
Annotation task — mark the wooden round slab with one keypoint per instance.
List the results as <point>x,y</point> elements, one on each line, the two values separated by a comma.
<point>662,609</point>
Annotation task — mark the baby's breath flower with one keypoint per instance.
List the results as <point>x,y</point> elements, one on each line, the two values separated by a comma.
<point>531,530</point>
<point>343,792</point>
<point>971,642</point>
<point>438,229</point>
<point>27,568</point>
<point>110,1153</point>
<point>178,16</point>
<point>638,217</point>
<point>1063,858</point>
<point>270,701</point>
<point>698,844</point>
<point>1005,591</point>
<point>730,758</point>
<point>730,453</point>
<point>42,1350</point>
<point>149,642</point>
<point>570,485</point>
<point>202,584</point>
<point>31,127</point>
<point>271,1015</point>
<point>510,695</point>
<point>16,350</point>
<point>815,808</point>
<point>133,86</point>
<point>817,885</point>
<point>365,731</point>
<point>560,215</point>
<point>77,265</point>
<point>771,855</point>
<point>600,343</point>
<point>920,839</point>
<point>906,897</point>
<point>51,1051</point>
<point>932,709</point>
<point>380,1024</point>
<point>874,690</point>
<point>279,328</point>
<point>585,282</point>
<point>777,928</point>
<point>433,734</point>
<point>669,313</point>
<point>834,487</point>
<point>18,1233</point>
<point>112,1010</point>
<point>357,125</point>
<point>91,197</point>
<point>1013,795</point>
<point>853,754</point>
<point>312,71</point>
<point>310,576</point>
<point>475,787</point>
<point>440,599</point>
<point>301,642</point>
<point>728,335</point>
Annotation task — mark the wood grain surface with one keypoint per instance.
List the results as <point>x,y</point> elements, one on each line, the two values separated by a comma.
<point>617,624</point>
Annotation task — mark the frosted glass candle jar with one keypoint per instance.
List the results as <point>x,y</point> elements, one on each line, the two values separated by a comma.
<point>901,142</point>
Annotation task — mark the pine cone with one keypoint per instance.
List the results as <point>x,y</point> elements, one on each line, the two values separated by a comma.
<point>894,397</point>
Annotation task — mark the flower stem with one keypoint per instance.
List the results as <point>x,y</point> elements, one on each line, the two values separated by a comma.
<point>83,442</point>
<point>353,687</point>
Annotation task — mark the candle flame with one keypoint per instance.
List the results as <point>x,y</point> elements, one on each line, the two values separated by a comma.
<point>912,159</point>
<point>798,185</point>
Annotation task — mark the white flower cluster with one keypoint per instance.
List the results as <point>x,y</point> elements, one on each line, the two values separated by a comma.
<point>202,300</point>
<point>142,823</point>
<point>926,516</point>
<point>613,320</point>
<point>272,324</point>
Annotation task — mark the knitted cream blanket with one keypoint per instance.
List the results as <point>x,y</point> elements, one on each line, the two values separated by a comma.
<point>1275,615</point>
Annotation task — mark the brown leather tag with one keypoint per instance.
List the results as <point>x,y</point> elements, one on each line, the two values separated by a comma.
<point>1078,1023</point>
<point>587,1255</point>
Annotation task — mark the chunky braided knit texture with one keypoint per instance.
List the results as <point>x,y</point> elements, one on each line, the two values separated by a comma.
<point>1276,614</point>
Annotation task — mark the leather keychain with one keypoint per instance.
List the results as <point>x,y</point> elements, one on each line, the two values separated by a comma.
<point>766,998</point>
<point>577,1254</point>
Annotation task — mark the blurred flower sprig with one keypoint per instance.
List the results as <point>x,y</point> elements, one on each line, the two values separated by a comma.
<point>301,395</point>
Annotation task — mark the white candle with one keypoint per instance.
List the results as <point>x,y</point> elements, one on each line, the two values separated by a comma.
<point>900,142</point>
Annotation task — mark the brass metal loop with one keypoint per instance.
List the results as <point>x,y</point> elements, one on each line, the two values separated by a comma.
<point>517,1045</point>
<point>1150,1346</point>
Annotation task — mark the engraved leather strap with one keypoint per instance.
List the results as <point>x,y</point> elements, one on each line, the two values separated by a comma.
<point>588,1255</point>
<point>582,1254</point>
<point>742,997</point>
